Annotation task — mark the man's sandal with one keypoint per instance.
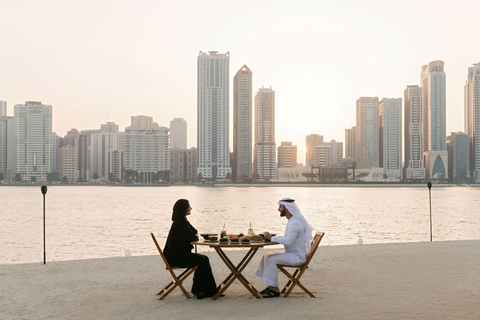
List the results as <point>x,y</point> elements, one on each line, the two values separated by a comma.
<point>271,294</point>
<point>265,290</point>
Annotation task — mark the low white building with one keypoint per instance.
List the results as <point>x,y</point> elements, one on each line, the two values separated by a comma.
<point>290,175</point>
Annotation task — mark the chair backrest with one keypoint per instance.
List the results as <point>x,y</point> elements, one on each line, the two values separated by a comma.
<point>161,252</point>
<point>316,241</point>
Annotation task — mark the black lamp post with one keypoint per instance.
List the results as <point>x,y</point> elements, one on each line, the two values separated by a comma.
<point>429,185</point>
<point>44,192</point>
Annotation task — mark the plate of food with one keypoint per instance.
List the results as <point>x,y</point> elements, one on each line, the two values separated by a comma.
<point>256,238</point>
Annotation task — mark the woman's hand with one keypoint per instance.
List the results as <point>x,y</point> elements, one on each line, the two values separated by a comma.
<point>268,235</point>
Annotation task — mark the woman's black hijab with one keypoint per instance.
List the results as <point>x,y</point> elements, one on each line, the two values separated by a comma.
<point>179,209</point>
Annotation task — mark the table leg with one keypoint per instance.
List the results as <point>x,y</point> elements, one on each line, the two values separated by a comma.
<point>222,253</point>
<point>236,272</point>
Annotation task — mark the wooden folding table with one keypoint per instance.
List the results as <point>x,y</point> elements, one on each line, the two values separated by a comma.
<point>235,271</point>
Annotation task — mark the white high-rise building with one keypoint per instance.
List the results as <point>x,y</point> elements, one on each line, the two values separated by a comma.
<point>366,133</point>
<point>434,138</point>
<point>32,140</point>
<point>414,168</point>
<point>100,146</point>
<point>213,115</point>
<point>264,154</point>
<point>242,124</point>
<point>147,154</point>
<point>472,119</point>
<point>178,134</point>
<point>390,126</point>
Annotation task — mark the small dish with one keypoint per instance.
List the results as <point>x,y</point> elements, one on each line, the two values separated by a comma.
<point>206,235</point>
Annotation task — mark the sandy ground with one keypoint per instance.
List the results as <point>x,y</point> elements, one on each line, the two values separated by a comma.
<point>439,280</point>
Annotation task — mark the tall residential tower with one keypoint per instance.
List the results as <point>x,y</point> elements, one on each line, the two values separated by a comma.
<point>32,140</point>
<point>472,119</point>
<point>242,124</point>
<point>390,126</point>
<point>434,138</point>
<point>414,168</point>
<point>213,115</point>
<point>264,155</point>
<point>367,135</point>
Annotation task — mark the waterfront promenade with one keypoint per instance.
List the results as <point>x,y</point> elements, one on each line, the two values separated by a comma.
<point>438,280</point>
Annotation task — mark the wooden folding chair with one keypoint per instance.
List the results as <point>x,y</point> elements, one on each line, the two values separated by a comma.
<point>295,278</point>
<point>177,280</point>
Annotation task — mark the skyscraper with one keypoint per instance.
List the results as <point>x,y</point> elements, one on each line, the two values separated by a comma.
<point>79,142</point>
<point>101,144</point>
<point>458,157</point>
<point>434,120</point>
<point>146,153</point>
<point>390,139</point>
<point>264,162</point>
<point>55,156</point>
<point>287,155</point>
<point>242,124</point>
<point>178,134</point>
<point>472,119</point>
<point>32,140</point>
<point>350,143</point>
<point>68,163</point>
<point>311,141</point>
<point>6,148</point>
<point>213,115</point>
<point>414,168</point>
<point>367,135</point>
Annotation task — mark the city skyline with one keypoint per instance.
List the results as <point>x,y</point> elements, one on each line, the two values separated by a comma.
<point>139,58</point>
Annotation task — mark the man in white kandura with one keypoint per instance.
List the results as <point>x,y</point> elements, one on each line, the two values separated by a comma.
<point>297,241</point>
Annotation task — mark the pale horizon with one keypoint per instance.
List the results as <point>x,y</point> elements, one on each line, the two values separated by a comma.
<point>124,58</point>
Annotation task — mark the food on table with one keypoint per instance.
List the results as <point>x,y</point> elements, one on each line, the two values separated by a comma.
<point>224,240</point>
<point>245,240</point>
<point>212,238</point>
<point>206,235</point>
<point>235,239</point>
<point>256,237</point>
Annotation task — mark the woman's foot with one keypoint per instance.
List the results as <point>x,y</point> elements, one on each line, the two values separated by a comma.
<point>201,295</point>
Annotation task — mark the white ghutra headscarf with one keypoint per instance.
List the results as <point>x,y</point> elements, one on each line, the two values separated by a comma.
<point>295,211</point>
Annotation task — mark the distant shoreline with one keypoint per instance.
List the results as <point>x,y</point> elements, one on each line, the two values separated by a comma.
<point>261,185</point>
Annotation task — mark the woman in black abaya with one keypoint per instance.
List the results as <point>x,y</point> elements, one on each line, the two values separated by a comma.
<point>178,251</point>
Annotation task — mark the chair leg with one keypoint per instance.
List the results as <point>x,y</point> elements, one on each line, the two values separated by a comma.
<point>178,283</point>
<point>289,281</point>
<point>293,280</point>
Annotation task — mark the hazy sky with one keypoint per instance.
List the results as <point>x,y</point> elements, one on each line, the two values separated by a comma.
<point>139,57</point>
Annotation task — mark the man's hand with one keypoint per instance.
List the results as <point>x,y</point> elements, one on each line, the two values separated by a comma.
<point>268,235</point>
